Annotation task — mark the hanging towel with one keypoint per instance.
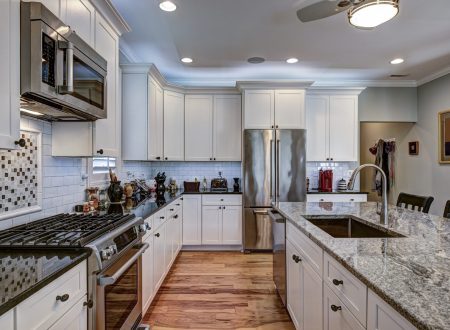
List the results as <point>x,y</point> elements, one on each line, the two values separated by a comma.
<point>384,158</point>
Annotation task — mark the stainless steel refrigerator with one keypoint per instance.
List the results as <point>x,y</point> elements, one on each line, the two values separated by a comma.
<point>274,170</point>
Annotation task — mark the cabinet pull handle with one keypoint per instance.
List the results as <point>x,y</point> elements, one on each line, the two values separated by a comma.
<point>223,208</point>
<point>166,158</point>
<point>158,158</point>
<point>20,142</point>
<point>63,298</point>
<point>321,199</point>
<point>175,216</point>
<point>297,259</point>
<point>157,235</point>
<point>161,217</point>
<point>89,303</point>
<point>210,158</point>
<point>100,151</point>
<point>171,209</point>
<point>177,204</point>
<point>221,199</point>
<point>352,199</point>
<point>214,158</point>
<point>338,282</point>
<point>335,308</point>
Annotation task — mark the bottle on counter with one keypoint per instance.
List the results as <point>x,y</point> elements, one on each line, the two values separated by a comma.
<point>204,184</point>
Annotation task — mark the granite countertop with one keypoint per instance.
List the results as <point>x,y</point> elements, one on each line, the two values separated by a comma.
<point>208,191</point>
<point>351,192</point>
<point>412,274</point>
<point>25,271</point>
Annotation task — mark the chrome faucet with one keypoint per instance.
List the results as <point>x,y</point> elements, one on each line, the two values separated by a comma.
<point>384,204</point>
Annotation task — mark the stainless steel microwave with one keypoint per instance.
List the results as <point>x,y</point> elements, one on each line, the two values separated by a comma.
<point>62,78</point>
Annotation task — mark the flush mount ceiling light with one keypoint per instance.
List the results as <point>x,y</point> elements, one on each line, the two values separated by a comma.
<point>371,13</point>
<point>292,60</point>
<point>34,113</point>
<point>186,60</point>
<point>256,60</point>
<point>397,61</point>
<point>167,5</point>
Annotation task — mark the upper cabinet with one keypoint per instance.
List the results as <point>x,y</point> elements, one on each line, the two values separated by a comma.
<point>10,69</point>
<point>266,109</point>
<point>155,121</point>
<point>173,126</point>
<point>80,16</point>
<point>198,127</point>
<point>332,126</point>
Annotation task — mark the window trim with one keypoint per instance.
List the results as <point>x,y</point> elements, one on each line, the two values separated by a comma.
<point>100,179</point>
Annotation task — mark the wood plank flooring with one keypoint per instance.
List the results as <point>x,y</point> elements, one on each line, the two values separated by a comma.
<point>219,290</point>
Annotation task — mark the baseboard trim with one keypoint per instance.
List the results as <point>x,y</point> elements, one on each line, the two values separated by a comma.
<point>211,248</point>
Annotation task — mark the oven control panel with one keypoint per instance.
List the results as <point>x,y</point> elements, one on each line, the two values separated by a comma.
<point>108,252</point>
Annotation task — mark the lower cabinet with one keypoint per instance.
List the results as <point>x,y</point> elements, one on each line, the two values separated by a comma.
<point>336,198</point>
<point>192,219</point>
<point>304,296</point>
<point>221,225</point>
<point>336,314</point>
<point>74,319</point>
<point>159,244</point>
<point>211,225</point>
<point>147,275</point>
<point>7,320</point>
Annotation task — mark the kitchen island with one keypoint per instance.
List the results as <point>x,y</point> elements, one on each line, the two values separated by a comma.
<point>410,273</point>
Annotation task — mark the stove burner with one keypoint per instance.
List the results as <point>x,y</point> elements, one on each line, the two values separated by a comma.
<point>68,230</point>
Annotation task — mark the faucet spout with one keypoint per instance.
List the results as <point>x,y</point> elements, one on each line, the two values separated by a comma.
<point>384,204</point>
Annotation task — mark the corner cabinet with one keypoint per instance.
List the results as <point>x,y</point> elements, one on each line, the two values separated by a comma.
<point>10,69</point>
<point>173,126</point>
<point>266,109</point>
<point>333,126</point>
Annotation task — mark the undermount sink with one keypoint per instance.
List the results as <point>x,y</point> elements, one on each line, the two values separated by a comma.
<point>349,227</point>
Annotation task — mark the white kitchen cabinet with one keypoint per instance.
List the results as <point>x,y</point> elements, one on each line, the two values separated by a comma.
<point>10,69</point>
<point>211,225</point>
<point>74,319</point>
<point>259,109</point>
<point>227,128</point>
<point>381,316</point>
<point>336,316</point>
<point>7,320</point>
<point>336,198</point>
<point>289,109</point>
<point>173,126</point>
<point>198,131</point>
<point>147,275</point>
<point>231,225</point>
<point>332,127</point>
<point>155,121</point>
<point>304,296</point>
<point>55,6</point>
<point>80,16</point>
<point>192,219</point>
<point>159,246</point>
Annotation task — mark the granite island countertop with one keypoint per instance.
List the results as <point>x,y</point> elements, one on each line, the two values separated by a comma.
<point>412,274</point>
<point>24,271</point>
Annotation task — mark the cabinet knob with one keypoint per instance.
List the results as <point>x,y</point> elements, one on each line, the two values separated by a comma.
<point>335,308</point>
<point>221,199</point>
<point>338,282</point>
<point>89,303</point>
<point>161,217</point>
<point>177,204</point>
<point>62,298</point>
<point>166,158</point>
<point>296,258</point>
<point>276,126</point>
<point>175,216</point>
<point>322,200</point>
<point>171,209</point>
<point>100,151</point>
<point>272,126</point>
<point>20,143</point>
<point>158,158</point>
<point>214,158</point>
<point>352,199</point>
<point>157,235</point>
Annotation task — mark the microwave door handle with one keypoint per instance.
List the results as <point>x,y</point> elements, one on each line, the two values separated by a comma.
<point>108,280</point>
<point>67,46</point>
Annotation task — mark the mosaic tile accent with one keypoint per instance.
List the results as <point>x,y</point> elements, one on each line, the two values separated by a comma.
<point>19,175</point>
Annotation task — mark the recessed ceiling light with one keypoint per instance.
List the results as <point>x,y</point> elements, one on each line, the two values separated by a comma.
<point>256,60</point>
<point>292,60</point>
<point>167,5</point>
<point>372,13</point>
<point>35,113</point>
<point>186,60</point>
<point>397,61</point>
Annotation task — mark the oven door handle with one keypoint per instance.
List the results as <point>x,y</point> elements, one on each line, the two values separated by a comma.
<point>108,280</point>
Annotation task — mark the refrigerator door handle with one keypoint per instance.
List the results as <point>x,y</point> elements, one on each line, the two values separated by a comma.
<point>271,169</point>
<point>261,212</point>
<point>277,165</point>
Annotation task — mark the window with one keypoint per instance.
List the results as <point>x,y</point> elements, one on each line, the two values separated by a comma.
<point>103,164</point>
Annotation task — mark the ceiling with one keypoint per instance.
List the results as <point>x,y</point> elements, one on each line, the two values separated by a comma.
<point>221,34</point>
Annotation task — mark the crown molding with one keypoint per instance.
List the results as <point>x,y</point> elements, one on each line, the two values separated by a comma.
<point>126,51</point>
<point>112,15</point>
<point>315,90</point>
<point>433,76</point>
<point>273,84</point>
<point>363,83</point>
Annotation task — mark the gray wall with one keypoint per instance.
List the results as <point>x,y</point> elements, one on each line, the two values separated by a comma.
<point>393,104</point>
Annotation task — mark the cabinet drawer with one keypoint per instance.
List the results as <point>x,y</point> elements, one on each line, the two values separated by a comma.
<point>222,199</point>
<point>336,316</point>
<point>150,222</point>
<point>42,309</point>
<point>337,198</point>
<point>159,218</point>
<point>173,208</point>
<point>347,287</point>
<point>312,253</point>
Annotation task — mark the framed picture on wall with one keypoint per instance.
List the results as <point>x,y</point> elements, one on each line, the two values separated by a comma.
<point>444,137</point>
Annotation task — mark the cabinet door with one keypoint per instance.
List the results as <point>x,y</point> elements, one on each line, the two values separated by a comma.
<point>74,319</point>
<point>170,237</point>
<point>159,245</point>
<point>53,5</point>
<point>80,16</point>
<point>198,127</point>
<point>259,109</point>
<point>317,125</point>
<point>344,128</point>
<point>173,126</point>
<point>381,316</point>
<point>155,121</point>
<point>227,128</point>
<point>147,275</point>
<point>231,225</point>
<point>192,219</point>
<point>7,320</point>
<point>290,109</point>
<point>336,315</point>
<point>9,67</point>
<point>107,131</point>
<point>312,298</point>
<point>294,286</point>
<point>211,225</point>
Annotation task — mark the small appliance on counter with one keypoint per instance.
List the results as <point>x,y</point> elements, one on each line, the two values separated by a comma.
<point>342,185</point>
<point>236,187</point>
<point>325,180</point>
<point>219,184</point>
<point>160,179</point>
<point>190,186</point>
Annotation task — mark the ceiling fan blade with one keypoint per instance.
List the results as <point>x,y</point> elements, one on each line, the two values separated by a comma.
<point>322,9</point>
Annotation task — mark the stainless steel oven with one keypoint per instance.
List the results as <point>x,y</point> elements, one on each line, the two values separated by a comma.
<point>62,77</point>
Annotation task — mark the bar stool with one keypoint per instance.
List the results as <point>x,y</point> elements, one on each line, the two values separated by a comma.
<point>422,203</point>
<point>447,210</point>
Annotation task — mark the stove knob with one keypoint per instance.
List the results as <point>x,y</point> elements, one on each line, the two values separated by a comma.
<point>143,227</point>
<point>113,249</point>
<point>105,254</point>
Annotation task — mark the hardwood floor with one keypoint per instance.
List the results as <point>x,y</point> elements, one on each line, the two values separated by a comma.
<point>219,290</point>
